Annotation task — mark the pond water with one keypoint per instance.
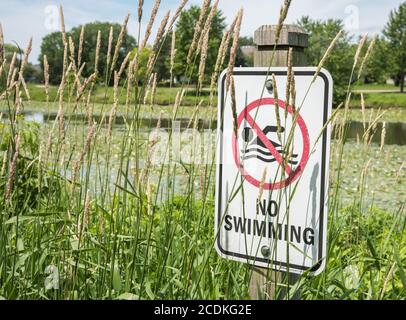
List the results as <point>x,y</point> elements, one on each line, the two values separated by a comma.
<point>385,184</point>
<point>395,131</point>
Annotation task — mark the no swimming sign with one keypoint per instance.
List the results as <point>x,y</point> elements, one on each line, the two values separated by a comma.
<point>272,175</point>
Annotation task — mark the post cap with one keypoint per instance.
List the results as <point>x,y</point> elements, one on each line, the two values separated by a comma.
<point>291,35</point>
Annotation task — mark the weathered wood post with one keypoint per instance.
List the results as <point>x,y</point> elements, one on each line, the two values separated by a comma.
<point>291,36</point>
<point>296,38</point>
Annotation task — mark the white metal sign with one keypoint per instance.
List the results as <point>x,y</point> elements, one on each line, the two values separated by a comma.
<point>272,177</point>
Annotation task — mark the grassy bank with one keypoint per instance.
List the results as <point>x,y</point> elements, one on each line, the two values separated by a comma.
<point>167,96</point>
<point>379,96</point>
<point>105,95</point>
<point>381,100</point>
<point>376,87</point>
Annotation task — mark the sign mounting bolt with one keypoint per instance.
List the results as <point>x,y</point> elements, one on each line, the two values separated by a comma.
<point>266,251</point>
<point>269,86</point>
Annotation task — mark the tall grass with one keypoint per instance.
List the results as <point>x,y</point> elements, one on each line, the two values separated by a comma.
<point>86,214</point>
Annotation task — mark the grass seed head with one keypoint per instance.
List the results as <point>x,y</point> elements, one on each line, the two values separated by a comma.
<point>383,135</point>
<point>110,44</point>
<point>97,56</point>
<point>207,26</point>
<point>85,84</point>
<point>10,77</point>
<point>62,21</point>
<point>198,30</point>
<point>203,58</point>
<point>27,53</point>
<point>289,78</point>
<point>150,24</point>
<point>2,67</point>
<point>119,41</point>
<point>25,87</point>
<point>2,51</point>
<point>18,101</point>
<point>173,55</point>
<point>327,54</point>
<point>363,111</point>
<point>282,17</point>
<point>46,77</point>
<point>359,49</point>
<point>13,166</point>
<point>293,93</point>
<point>177,14</point>
<point>124,64</point>
<point>154,88</point>
<point>161,32</point>
<point>277,114</point>
<point>72,52</point>
<point>4,163</point>
<point>234,108</point>
<point>195,114</point>
<point>151,64</point>
<point>367,55</point>
<point>178,102</point>
<point>80,50</point>
<point>221,56</point>
<point>140,10</point>
<point>148,89</point>
<point>234,47</point>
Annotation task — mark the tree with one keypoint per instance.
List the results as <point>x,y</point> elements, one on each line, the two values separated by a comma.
<point>184,36</point>
<point>10,49</point>
<point>244,59</point>
<point>162,66</point>
<point>395,32</point>
<point>380,64</point>
<point>31,73</point>
<point>143,59</point>
<point>52,47</point>
<point>340,62</point>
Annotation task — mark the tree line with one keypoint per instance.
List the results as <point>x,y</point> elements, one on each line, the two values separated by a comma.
<point>388,59</point>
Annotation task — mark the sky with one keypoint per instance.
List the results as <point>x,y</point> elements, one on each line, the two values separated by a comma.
<point>22,19</point>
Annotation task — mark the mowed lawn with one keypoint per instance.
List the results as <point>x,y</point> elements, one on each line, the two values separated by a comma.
<point>104,95</point>
<point>103,99</point>
<point>376,86</point>
<point>380,98</point>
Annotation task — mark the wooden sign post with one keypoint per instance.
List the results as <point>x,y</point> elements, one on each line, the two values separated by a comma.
<point>263,282</point>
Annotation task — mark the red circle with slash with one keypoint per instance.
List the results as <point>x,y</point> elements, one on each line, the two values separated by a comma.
<point>292,175</point>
